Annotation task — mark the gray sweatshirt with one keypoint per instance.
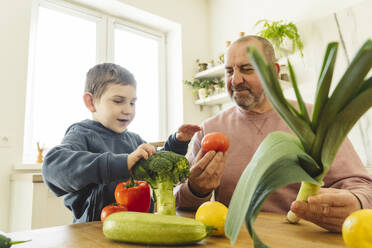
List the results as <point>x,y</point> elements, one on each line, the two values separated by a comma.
<point>89,163</point>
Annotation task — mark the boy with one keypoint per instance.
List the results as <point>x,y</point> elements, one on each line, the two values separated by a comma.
<point>95,155</point>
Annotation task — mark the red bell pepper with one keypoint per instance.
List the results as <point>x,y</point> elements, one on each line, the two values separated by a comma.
<point>135,195</point>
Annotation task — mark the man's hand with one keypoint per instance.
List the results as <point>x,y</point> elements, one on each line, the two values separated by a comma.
<point>328,209</point>
<point>186,131</point>
<point>142,151</point>
<point>206,172</point>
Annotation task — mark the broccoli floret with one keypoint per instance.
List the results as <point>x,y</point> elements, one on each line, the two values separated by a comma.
<point>163,170</point>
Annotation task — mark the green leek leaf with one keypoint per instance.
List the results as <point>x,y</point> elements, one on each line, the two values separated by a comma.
<point>300,101</point>
<point>324,82</point>
<point>346,89</point>
<point>263,175</point>
<point>269,82</point>
<point>343,123</point>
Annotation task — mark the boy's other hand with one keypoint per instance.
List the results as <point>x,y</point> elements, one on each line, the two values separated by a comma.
<point>143,151</point>
<point>186,131</point>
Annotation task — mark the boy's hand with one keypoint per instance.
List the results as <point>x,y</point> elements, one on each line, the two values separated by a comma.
<point>186,131</point>
<point>143,151</point>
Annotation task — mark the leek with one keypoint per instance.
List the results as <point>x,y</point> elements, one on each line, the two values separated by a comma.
<point>282,158</point>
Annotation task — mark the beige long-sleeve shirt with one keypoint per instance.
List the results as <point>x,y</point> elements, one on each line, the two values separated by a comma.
<point>246,132</point>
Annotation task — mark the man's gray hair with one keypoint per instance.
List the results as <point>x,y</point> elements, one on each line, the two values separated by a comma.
<point>267,47</point>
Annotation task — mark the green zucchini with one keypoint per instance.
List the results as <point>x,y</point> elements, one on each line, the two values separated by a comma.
<point>156,229</point>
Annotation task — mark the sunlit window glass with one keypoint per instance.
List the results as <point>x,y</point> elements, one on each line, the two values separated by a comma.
<point>140,55</point>
<point>64,51</point>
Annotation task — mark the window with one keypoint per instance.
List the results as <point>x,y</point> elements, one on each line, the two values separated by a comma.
<point>69,40</point>
<point>139,53</point>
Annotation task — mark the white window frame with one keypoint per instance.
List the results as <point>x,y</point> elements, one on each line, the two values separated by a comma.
<point>161,38</point>
<point>105,53</point>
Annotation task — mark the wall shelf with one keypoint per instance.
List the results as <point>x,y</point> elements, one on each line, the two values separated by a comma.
<point>214,72</point>
<point>214,100</point>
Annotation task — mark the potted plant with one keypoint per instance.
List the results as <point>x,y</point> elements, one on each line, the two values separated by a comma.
<point>284,36</point>
<point>203,88</point>
<point>218,86</point>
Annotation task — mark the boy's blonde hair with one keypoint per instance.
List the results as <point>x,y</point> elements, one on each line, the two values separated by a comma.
<point>104,74</point>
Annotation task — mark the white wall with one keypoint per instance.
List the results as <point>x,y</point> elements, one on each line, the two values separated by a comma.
<point>228,18</point>
<point>317,27</point>
<point>14,31</point>
<point>191,15</point>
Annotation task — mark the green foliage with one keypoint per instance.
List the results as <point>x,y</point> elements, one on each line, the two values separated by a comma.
<point>220,83</point>
<point>197,84</point>
<point>278,31</point>
<point>205,83</point>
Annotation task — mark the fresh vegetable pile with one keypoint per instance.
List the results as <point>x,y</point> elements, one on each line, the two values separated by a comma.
<point>130,196</point>
<point>162,170</point>
<point>282,159</point>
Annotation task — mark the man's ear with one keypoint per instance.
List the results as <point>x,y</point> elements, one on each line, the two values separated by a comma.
<point>88,101</point>
<point>277,68</point>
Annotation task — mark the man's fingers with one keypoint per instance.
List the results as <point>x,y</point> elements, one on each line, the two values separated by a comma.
<point>331,199</point>
<point>324,210</point>
<point>216,166</point>
<point>201,163</point>
<point>327,190</point>
<point>199,156</point>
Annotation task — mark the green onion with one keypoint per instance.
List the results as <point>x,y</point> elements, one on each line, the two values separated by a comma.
<point>282,158</point>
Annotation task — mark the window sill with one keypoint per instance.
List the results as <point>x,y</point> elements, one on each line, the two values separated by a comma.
<point>26,167</point>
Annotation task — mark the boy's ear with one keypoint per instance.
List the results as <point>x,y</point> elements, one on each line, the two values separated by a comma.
<point>88,101</point>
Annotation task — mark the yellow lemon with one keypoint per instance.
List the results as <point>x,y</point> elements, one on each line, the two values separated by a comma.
<point>213,213</point>
<point>357,229</point>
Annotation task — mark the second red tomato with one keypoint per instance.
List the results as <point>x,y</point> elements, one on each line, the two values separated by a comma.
<point>215,142</point>
<point>110,209</point>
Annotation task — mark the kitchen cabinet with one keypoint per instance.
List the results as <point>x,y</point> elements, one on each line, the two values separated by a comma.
<point>33,205</point>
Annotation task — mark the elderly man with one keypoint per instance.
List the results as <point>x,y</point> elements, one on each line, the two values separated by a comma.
<point>347,186</point>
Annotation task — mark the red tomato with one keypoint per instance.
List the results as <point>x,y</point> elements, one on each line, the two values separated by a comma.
<point>135,196</point>
<point>106,211</point>
<point>215,142</point>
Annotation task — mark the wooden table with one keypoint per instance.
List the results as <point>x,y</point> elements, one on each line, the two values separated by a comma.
<point>272,229</point>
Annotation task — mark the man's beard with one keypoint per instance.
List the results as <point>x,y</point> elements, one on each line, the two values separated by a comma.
<point>249,100</point>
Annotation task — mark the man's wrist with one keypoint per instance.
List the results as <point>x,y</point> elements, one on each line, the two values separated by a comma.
<point>197,194</point>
